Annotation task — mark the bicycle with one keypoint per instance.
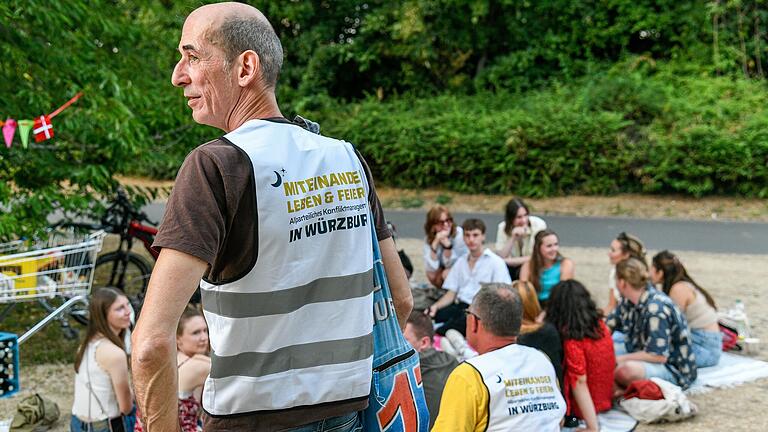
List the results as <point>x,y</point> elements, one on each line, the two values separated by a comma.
<point>123,268</point>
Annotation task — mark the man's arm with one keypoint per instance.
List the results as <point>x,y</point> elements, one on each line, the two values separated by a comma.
<point>442,302</point>
<point>464,404</point>
<point>398,282</point>
<point>642,356</point>
<point>174,280</point>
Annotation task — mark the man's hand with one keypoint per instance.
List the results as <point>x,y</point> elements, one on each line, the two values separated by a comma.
<point>431,311</point>
<point>175,277</point>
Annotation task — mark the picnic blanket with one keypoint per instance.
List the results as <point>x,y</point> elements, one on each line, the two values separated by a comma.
<point>732,370</point>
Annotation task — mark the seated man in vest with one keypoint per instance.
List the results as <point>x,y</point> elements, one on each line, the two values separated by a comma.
<point>657,342</point>
<point>508,387</point>
<point>478,266</point>
<point>435,365</point>
<point>278,221</point>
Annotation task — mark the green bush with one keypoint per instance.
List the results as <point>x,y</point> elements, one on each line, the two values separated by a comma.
<point>624,130</point>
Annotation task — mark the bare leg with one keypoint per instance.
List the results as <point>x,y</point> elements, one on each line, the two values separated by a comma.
<point>625,373</point>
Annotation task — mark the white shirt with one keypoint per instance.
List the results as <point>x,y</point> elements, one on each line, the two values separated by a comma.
<point>466,283</point>
<point>458,249</point>
<point>99,402</point>
<point>536,224</point>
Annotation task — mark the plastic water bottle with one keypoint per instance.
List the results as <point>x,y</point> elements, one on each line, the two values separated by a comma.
<point>740,317</point>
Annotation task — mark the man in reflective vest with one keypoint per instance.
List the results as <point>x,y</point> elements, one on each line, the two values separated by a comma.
<point>508,386</point>
<point>273,221</point>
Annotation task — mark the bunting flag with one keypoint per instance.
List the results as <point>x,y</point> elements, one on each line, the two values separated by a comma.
<point>9,129</point>
<point>43,129</point>
<point>24,127</point>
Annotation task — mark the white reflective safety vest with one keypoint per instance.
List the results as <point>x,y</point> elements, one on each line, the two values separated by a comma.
<point>523,389</point>
<point>296,330</point>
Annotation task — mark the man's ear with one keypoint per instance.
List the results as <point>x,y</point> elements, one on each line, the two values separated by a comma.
<point>425,343</point>
<point>472,325</point>
<point>249,68</point>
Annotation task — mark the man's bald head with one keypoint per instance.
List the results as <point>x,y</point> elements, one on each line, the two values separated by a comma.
<point>238,27</point>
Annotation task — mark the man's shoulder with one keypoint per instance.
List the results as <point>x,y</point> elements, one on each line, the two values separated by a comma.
<point>495,259</point>
<point>219,154</point>
<point>434,358</point>
<point>659,303</point>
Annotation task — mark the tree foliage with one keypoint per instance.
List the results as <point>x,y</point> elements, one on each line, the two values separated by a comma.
<point>120,53</point>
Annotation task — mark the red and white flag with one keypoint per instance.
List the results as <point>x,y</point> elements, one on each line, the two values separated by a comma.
<point>43,128</point>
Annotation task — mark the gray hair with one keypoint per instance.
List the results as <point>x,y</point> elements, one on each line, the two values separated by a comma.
<point>238,34</point>
<point>499,308</point>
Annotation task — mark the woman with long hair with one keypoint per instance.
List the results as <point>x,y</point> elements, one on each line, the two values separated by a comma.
<point>443,245</point>
<point>588,347</point>
<point>534,331</point>
<point>622,247</point>
<point>695,302</point>
<point>547,267</point>
<point>193,366</point>
<point>103,400</point>
<point>514,237</point>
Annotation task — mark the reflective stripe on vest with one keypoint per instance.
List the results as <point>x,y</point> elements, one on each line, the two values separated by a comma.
<point>296,330</point>
<point>523,389</point>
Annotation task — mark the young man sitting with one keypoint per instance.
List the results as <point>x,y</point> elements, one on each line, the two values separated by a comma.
<point>657,340</point>
<point>435,365</point>
<point>478,266</point>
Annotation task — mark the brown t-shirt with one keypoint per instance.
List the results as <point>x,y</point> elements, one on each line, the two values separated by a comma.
<point>211,214</point>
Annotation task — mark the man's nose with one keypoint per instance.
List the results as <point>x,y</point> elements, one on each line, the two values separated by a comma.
<point>179,77</point>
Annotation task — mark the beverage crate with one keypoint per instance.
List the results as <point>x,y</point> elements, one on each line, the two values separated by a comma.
<point>9,364</point>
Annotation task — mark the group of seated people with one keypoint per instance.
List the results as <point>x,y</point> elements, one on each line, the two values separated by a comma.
<point>658,323</point>
<point>103,400</point>
<point>522,344</point>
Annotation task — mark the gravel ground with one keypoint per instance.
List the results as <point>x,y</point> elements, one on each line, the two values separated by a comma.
<point>727,277</point>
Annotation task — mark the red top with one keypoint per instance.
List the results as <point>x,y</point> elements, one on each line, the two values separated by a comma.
<point>596,360</point>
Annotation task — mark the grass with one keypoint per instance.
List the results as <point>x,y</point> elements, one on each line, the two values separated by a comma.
<point>49,345</point>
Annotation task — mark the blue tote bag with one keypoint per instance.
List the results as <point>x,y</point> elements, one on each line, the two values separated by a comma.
<point>396,402</point>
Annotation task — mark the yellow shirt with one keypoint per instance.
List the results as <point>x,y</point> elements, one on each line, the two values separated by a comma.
<point>464,405</point>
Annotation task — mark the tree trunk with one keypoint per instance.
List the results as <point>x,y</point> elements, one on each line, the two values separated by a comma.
<point>758,56</point>
<point>742,45</point>
<point>715,42</point>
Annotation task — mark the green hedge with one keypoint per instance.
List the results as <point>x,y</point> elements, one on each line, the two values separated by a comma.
<point>624,130</point>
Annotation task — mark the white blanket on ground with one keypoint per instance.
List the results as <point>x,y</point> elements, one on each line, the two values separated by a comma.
<point>732,370</point>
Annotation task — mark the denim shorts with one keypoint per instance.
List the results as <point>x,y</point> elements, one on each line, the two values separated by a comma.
<point>707,346</point>
<point>652,370</point>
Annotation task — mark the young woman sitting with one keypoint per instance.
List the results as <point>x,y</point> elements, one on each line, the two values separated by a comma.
<point>547,267</point>
<point>514,237</point>
<point>103,400</point>
<point>695,302</point>
<point>534,331</point>
<point>443,245</point>
<point>589,356</point>
<point>622,247</point>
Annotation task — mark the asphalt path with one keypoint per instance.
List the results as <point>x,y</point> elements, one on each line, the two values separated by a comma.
<point>657,234</point>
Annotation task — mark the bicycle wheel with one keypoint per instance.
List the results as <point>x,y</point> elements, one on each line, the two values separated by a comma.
<point>128,272</point>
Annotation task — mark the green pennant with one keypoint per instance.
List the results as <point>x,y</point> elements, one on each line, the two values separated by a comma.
<point>24,127</point>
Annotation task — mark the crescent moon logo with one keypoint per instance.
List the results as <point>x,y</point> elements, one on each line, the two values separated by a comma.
<point>279,180</point>
<point>499,377</point>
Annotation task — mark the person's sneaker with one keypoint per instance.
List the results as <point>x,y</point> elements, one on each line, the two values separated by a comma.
<point>571,422</point>
<point>460,345</point>
<point>447,347</point>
